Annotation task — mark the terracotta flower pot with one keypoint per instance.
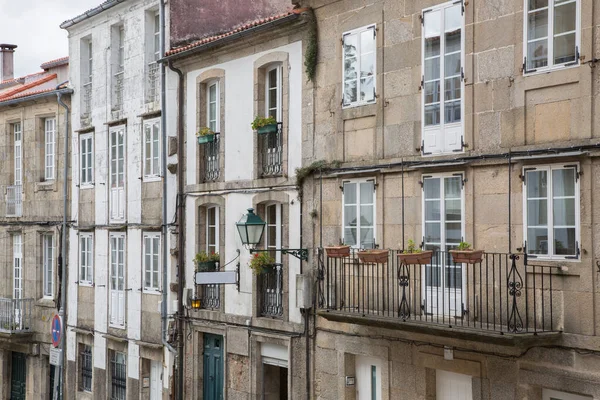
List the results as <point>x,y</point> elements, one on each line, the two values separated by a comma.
<point>337,251</point>
<point>373,256</point>
<point>423,257</point>
<point>467,256</point>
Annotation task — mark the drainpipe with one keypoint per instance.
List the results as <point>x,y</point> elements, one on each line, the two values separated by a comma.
<point>180,230</point>
<point>63,251</point>
<point>164,311</point>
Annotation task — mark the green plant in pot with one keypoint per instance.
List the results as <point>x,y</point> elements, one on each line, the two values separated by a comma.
<point>413,254</point>
<point>264,125</point>
<point>464,254</point>
<point>260,262</point>
<point>206,262</point>
<point>205,135</point>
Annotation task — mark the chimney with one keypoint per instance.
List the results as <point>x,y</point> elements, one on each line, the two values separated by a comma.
<point>7,61</point>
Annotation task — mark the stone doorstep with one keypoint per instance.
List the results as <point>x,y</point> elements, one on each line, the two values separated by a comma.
<point>517,340</point>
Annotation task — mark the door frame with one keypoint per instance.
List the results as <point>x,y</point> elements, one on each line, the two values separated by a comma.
<point>221,371</point>
<point>120,190</point>
<point>117,237</point>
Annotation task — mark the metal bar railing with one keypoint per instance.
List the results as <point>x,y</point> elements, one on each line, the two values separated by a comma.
<point>501,293</point>
<point>210,297</point>
<point>153,83</point>
<point>119,87</point>
<point>14,201</point>
<point>86,108</point>
<point>271,291</point>
<point>271,148</point>
<point>15,315</point>
<point>212,169</point>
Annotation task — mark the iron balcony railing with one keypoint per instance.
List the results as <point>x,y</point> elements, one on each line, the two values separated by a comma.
<point>501,294</point>
<point>271,291</point>
<point>210,297</point>
<point>87,100</point>
<point>14,201</point>
<point>119,86</point>
<point>271,152</point>
<point>153,82</point>
<point>212,168</point>
<point>15,315</point>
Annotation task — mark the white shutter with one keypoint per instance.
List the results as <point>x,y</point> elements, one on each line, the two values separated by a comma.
<point>452,138</point>
<point>114,304</point>
<point>121,308</point>
<point>432,140</point>
<point>155,381</point>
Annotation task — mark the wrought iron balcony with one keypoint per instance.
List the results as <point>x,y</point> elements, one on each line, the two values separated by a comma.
<point>15,315</point>
<point>14,201</point>
<point>86,105</point>
<point>501,294</point>
<point>153,83</point>
<point>211,164</point>
<point>270,285</point>
<point>271,152</point>
<point>210,297</point>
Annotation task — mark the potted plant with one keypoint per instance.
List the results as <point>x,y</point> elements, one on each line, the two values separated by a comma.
<point>373,256</point>
<point>415,255</point>
<point>264,125</point>
<point>340,251</point>
<point>260,262</point>
<point>205,135</point>
<point>206,262</point>
<point>464,254</point>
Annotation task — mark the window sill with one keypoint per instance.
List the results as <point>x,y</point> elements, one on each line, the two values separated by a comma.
<point>548,70</point>
<point>86,186</point>
<point>152,292</point>
<point>359,110</point>
<point>86,284</point>
<point>152,178</point>
<point>45,186</point>
<point>120,327</point>
<point>534,258</point>
<point>46,302</point>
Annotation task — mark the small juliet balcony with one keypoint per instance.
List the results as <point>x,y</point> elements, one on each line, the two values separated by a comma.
<point>14,201</point>
<point>502,295</point>
<point>153,84</point>
<point>270,289</point>
<point>211,159</point>
<point>15,315</point>
<point>86,105</point>
<point>271,152</point>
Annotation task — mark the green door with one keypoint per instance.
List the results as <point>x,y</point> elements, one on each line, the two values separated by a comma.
<point>213,367</point>
<point>18,376</point>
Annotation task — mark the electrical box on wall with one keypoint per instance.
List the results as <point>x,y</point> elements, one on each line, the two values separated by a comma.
<point>303,292</point>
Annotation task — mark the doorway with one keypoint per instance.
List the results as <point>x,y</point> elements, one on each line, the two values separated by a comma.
<point>368,378</point>
<point>213,367</point>
<point>18,376</point>
<point>453,386</point>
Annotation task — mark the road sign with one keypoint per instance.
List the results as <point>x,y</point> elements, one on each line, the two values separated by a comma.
<point>213,278</point>
<point>56,330</point>
<point>56,357</point>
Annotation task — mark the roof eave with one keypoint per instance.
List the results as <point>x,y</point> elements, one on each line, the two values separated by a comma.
<point>36,96</point>
<point>230,38</point>
<point>90,13</point>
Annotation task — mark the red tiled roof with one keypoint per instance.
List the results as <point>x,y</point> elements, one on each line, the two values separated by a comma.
<point>20,78</point>
<point>19,95</point>
<point>244,27</point>
<point>55,63</point>
<point>12,93</point>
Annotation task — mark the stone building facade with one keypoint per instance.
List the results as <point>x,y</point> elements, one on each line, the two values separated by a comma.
<point>33,128</point>
<point>244,340</point>
<point>456,122</point>
<point>116,338</point>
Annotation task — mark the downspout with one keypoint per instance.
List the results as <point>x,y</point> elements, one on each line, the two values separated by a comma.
<point>63,251</point>
<point>164,311</point>
<point>180,231</point>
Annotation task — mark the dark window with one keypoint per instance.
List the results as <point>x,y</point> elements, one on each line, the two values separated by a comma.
<point>85,363</point>
<point>118,381</point>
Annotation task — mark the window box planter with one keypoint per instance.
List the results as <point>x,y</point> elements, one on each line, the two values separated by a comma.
<point>373,256</point>
<point>206,266</point>
<point>423,257</point>
<point>467,256</point>
<point>337,251</point>
<point>265,130</point>
<point>206,138</point>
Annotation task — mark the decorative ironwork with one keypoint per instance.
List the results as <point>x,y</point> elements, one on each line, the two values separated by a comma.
<point>153,82</point>
<point>515,285</point>
<point>85,362</point>
<point>403,281</point>
<point>119,87</point>
<point>118,381</point>
<point>210,298</point>
<point>87,100</point>
<point>271,147</point>
<point>271,292</point>
<point>14,201</point>
<point>301,254</point>
<point>212,168</point>
<point>320,279</point>
<point>15,315</point>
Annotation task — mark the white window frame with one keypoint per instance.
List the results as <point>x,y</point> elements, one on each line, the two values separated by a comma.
<point>48,265</point>
<point>549,394</point>
<point>357,32</point>
<point>279,107</point>
<point>155,165</point>
<point>444,148</point>
<point>18,152</point>
<point>86,173</point>
<point>49,148</point>
<point>152,286</point>
<point>114,320</point>
<point>550,209</point>
<point>86,259</point>
<point>278,229</point>
<point>358,204</point>
<point>550,38</point>
<point>217,119</point>
<point>214,245</point>
<point>156,35</point>
<point>117,206</point>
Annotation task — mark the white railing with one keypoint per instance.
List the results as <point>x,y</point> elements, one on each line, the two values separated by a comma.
<point>153,83</point>
<point>15,315</point>
<point>87,100</point>
<point>118,93</point>
<point>14,201</point>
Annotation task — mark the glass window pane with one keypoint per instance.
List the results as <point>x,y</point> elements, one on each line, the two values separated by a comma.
<point>366,216</point>
<point>537,184</point>
<point>212,97</point>
<point>537,241</point>
<point>366,192</point>
<point>452,66</point>
<point>432,115</point>
<point>350,45</point>
<point>564,48</point>
<point>565,17</point>
<point>453,232</point>
<point>453,210</point>
<point>564,241</point>
<point>563,182</point>
<point>453,41</point>
<point>432,69</point>
<point>453,111</point>
<point>272,214</point>
<point>349,193</point>
<point>366,238</point>
<point>453,17</point>
<point>432,47</point>
<point>538,25</point>
<point>350,92</point>
<point>431,187</point>
<point>535,4</point>
<point>453,187</point>
<point>350,216</point>
<point>564,212</point>
<point>454,277</point>
<point>432,211</point>
<point>432,232</point>
<point>273,78</point>
<point>432,277</point>
<point>350,236</point>
<point>432,92</point>
<point>432,23</point>
<point>367,41</point>
<point>367,65</point>
<point>537,212</point>
<point>367,89</point>
<point>350,68</point>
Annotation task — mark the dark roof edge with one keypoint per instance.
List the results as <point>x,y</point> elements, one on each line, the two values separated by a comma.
<point>36,96</point>
<point>231,38</point>
<point>90,13</point>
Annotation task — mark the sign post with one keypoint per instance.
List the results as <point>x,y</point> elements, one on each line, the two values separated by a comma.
<point>55,353</point>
